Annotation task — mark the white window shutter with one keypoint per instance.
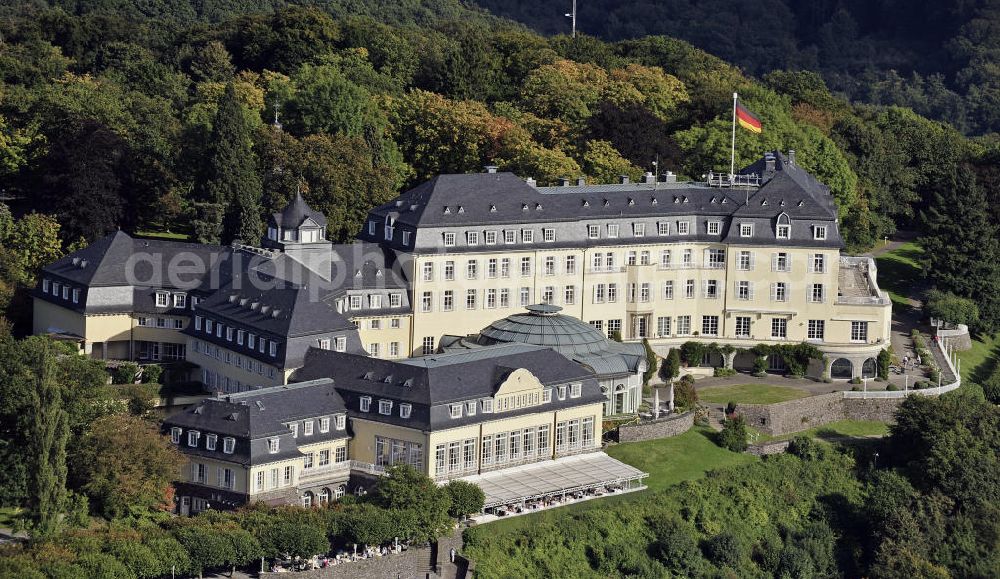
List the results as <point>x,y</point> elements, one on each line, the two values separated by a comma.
<point>810,267</point>
<point>751,290</point>
<point>774,292</point>
<point>774,262</point>
<point>194,471</point>
<point>753,259</point>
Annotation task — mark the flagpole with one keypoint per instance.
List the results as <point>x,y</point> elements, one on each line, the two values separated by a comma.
<point>732,152</point>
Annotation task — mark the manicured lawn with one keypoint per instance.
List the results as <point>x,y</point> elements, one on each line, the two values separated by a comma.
<point>899,271</point>
<point>978,363</point>
<point>7,516</point>
<point>750,394</point>
<point>163,235</point>
<point>672,460</point>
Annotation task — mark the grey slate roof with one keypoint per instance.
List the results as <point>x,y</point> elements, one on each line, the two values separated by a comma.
<point>296,212</point>
<point>253,416</point>
<point>503,198</point>
<point>431,383</point>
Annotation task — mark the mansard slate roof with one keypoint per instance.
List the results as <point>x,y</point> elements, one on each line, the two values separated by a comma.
<point>501,198</point>
<point>258,414</point>
<point>295,213</point>
<point>107,261</point>
<point>283,310</point>
<point>430,383</point>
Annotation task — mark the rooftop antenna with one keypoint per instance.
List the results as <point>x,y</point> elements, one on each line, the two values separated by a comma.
<point>656,171</point>
<point>572,15</point>
<point>277,124</point>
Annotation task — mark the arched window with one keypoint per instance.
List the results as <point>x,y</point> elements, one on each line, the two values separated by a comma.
<point>783,229</point>
<point>307,499</point>
<point>339,491</point>
<point>324,496</point>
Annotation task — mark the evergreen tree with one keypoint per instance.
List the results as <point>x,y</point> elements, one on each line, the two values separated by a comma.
<point>961,243</point>
<point>50,434</point>
<point>230,208</point>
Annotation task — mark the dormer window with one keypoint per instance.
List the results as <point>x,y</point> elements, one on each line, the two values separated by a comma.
<point>228,444</point>
<point>307,428</point>
<point>639,229</point>
<point>385,407</point>
<point>491,237</point>
<point>210,441</point>
<point>819,232</point>
<point>180,300</point>
<point>546,396</point>
<point>612,230</point>
<point>783,228</point>
<point>510,236</point>
<point>355,302</point>
<point>193,436</point>
<point>365,404</point>
<point>273,445</point>
<point>714,227</point>
<point>487,405</point>
<point>208,326</point>
<point>548,235</point>
<point>575,390</point>
<point>65,292</point>
<point>404,410</point>
<point>593,231</point>
<point>175,435</point>
<point>371,228</point>
<point>55,288</point>
<point>340,344</point>
<point>46,284</point>
<point>683,228</point>
<point>294,427</point>
<point>562,392</point>
<point>528,236</point>
<point>341,421</point>
<point>455,410</point>
<point>197,322</point>
<point>449,239</point>
<point>162,299</point>
<point>470,408</point>
<point>324,425</point>
<point>472,237</point>
<point>406,238</point>
<point>746,229</point>
<point>273,349</point>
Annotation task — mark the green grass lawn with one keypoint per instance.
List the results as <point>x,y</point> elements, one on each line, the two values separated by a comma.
<point>7,516</point>
<point>899,271</point>
<point>978,363</point>
<point>668,462</point>
<point>750,394</point>
<point>164,235</point>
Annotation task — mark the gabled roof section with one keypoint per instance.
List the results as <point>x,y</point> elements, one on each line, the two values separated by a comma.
<point>296,213</point>
<point>787,188</point>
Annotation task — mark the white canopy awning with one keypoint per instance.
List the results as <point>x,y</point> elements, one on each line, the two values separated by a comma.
<point>553,477</point>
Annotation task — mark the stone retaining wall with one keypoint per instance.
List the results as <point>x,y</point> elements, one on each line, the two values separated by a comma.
<point>651,430</point>
<point>804,413</point>
<point>958,338</point>
<point>776,447</point>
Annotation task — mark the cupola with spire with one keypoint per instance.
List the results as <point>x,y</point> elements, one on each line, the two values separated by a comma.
<point>300,232</point>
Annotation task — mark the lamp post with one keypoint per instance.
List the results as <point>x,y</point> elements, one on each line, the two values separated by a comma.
<point>572,16</point>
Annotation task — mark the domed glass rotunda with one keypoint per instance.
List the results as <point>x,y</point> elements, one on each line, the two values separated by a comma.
<point>617,366</point>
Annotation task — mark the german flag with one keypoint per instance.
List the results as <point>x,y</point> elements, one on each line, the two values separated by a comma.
<point>747,120</point>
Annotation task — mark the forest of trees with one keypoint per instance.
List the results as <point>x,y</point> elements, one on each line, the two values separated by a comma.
<point>936,57</point>
<point>151,118</point>
<point>921,503</point>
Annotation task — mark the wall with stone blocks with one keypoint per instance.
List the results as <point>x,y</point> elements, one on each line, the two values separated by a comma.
<point>767,448</point>
<point>804,413</point>
<point>662,428</point>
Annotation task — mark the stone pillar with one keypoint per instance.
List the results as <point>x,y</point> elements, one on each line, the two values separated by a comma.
<point>728,359</point>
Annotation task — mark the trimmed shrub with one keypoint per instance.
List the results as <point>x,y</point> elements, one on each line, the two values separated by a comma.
<point>692,353</point>
<point>722,372</point>
<point>152,373</point>
<point>734,434</point>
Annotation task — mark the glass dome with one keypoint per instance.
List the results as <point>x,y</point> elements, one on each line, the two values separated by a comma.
<point>543,325</point>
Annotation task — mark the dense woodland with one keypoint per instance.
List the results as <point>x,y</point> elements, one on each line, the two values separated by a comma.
<point>936,57</point>
<point>151,117</point>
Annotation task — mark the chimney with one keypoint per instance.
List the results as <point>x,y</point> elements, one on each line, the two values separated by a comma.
<point>564,181</point>
<point>491,168</point>
<point>531,182</point>
<point>648,177</point>
<point>669,177</point>
<point>769,163</point>
<point>581,181</point>
<point>623,179</point>
<point>791,156</point>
